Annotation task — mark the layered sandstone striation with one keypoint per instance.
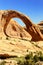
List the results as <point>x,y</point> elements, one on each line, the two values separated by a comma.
<point>41,26</point>
<point>11,28</point>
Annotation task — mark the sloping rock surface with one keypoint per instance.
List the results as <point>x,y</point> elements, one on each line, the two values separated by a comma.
<point>18,47</point>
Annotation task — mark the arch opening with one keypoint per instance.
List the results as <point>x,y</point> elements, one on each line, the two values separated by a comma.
<point>19,21</point>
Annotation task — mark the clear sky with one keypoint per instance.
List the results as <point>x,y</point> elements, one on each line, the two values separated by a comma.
<point>32,8</point>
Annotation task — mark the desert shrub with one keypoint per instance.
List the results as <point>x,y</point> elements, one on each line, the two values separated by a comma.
<point>20,63</point>
<point>27,50</point>
<point>40,55</point>
<point>29,56</point>
<point>36,58</point>
<point>41,58</point>
<point>7,38</point>
<point>30,62</point>
<point>26,62</point>
<point>14,40</point>
<point>12,50</point>
<point>3,63</point>
<point>31,59</point>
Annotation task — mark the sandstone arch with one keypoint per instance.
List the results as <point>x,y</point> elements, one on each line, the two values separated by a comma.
<point>31,28</point>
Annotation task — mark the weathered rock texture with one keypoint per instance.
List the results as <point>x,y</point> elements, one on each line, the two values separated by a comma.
<point>41,26</point>
<point>12,29</point>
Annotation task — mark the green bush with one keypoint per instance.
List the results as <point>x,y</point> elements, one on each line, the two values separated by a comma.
<point>41,58</point>
<point>40,55</point>
<point>29,56</point>
<point>20,63</point>
<point>36,58</point>
<point>31,59</point>
<point>26,62</point>
<point>3,63</point>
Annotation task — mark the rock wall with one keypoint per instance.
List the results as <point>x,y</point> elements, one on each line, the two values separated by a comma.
<point>41,26</point>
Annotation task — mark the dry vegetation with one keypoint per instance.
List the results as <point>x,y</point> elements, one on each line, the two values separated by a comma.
<point>20,51</point>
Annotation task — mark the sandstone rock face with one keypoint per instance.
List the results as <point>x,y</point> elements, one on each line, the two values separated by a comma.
<point>41,26</point>
<point>13,29</point>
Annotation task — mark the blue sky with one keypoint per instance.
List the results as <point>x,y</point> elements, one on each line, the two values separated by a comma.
<point>32,8</point>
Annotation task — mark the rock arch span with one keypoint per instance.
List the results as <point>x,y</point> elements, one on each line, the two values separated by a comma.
<point>31,28</point>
